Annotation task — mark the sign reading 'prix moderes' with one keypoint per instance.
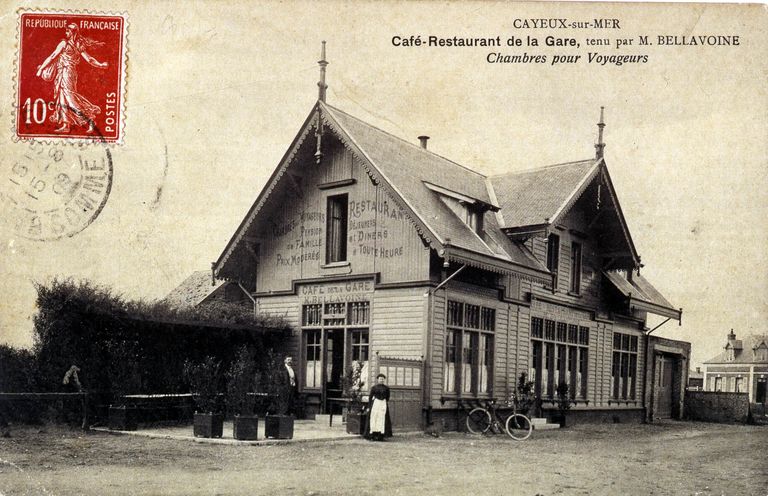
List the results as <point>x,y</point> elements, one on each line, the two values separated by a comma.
<point>336,293</point>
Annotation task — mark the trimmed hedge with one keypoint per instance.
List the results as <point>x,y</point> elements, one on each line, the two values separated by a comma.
<point>128,347</point>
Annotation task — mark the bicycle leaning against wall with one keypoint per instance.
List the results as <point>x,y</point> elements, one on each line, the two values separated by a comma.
<point>486,418</point>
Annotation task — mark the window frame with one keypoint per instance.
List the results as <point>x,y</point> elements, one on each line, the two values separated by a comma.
<point>624,365</point>
<point>561,347</point>
<point>336,228</point>
<point>353,317</point>
<point>553,257</point>
<point>576,267</point>
<point>470,341</point>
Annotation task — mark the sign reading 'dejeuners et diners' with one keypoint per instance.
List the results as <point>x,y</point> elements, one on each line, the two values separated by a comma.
<point>336,292</point>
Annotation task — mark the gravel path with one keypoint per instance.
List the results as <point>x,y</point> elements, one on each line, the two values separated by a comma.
<point>668,458</point>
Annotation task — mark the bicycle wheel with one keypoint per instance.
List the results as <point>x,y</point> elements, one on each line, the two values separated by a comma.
<point>518,426</point>
<point>478,421</point>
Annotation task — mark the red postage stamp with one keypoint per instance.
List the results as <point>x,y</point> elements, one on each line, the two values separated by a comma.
<point>70,76</point>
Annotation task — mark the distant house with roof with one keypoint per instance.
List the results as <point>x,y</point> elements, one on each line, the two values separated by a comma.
<point>741,367</point>
<point>696,380</point>
<point>451,282</point>
<point>200,287</point>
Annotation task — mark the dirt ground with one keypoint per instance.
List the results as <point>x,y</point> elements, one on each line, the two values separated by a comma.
<point>669,458</point>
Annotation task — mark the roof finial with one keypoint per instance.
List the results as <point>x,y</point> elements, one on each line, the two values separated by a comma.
<point>321,84</point>
<point>600,146</point>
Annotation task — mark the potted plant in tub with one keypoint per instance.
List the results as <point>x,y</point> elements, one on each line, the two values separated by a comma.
<point>353,390</point>
<point>204,380</point>
<point>525,398</point>
<point>563,403</point>
<point>123,378</point>
<point>241,379</point>
<point>278,423</point>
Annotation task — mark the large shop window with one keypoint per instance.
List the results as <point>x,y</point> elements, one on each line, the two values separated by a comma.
<point>468,365</point>
<point>336,231</point>
<point>560,354</point>
<point>318,321</point>
<point>624,376</point>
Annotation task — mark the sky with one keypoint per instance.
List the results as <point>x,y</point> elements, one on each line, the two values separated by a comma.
<point>215,93</point>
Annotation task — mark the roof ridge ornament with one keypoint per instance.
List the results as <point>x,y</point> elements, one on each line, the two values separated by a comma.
<point>321,86</point>
<point>600,146</point>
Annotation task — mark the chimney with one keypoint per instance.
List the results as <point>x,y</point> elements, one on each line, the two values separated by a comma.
<point>423,140</point>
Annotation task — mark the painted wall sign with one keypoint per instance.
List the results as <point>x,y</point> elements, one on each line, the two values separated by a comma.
<point>336,292</point>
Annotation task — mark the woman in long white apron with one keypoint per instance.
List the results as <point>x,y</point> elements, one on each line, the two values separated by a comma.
<point>379,424</point>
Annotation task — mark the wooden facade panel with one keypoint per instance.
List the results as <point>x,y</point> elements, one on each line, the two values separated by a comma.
<point>501,358</point>
<point>400,254</point>
<point>397,316</point>
<point>589,288</point>
<point>338,162</point>
<point>286,307</point>
<point>292,236</point>
<point>439,302</point>
<point>597,389</point>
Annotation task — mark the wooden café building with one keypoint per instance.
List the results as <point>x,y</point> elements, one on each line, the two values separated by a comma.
<point>450,282</point>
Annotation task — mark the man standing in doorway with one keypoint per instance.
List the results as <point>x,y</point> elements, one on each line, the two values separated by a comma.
<point>290,380</point>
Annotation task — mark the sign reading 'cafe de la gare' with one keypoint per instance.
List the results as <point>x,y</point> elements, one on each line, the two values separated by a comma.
<point>338,292</point>
<point>379,251</point>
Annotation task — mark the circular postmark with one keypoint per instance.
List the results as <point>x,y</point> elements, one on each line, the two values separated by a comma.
<point>53,191</point>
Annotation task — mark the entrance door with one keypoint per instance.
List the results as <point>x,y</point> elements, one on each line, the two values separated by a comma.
<point>664,387</point>
<point>334,366</point>
<point>760,393</point>
<point>404,378</point>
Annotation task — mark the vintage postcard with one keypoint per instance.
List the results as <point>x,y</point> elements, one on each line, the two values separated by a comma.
<point>550,209</point>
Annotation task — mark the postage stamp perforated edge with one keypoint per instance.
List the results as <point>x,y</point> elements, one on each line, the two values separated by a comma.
<point>16,88</point>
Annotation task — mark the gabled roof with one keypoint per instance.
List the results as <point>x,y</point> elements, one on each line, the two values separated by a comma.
<point>534,200</point>
<point>641,295</point>
<point>416,179</point>
<point>407,167</point>
<point>746,355</point>
<point>403,168</point>
<point>535,197</point>
<point>193,290</point>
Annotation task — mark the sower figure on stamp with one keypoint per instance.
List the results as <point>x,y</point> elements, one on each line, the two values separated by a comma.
<point>70,106</point>
<point>379,423</point>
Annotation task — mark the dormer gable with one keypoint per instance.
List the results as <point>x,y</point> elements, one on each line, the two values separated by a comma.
<point>536,202</point>
<point>469,210</point>
<point>760,351</point>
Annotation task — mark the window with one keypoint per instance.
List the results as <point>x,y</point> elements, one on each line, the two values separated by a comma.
<point>449,380</point>
<point>559,353</point>
<point>352,320</point>
<point>336,231</point>
<point>360,351</point>
<point>576,268</point>
<point>474,219</point>
<point>624,373</point>
<point>470,329</point>
<point>313,366</point>
<point>553,256</point>
<point>718,383</point>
